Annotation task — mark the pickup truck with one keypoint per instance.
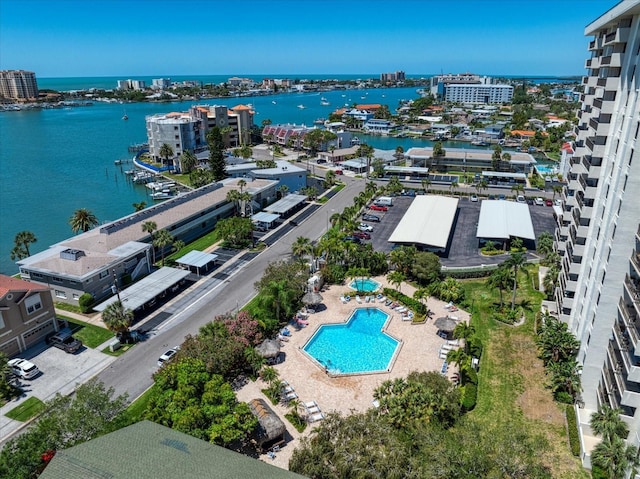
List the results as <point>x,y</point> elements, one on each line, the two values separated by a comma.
<point>64,340</point>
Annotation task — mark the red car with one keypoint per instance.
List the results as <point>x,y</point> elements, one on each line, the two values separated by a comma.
<point>378,208</point>
<point>548,202</point>
<point>362,235</point>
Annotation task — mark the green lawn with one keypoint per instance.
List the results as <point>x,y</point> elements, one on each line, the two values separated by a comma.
<point>25,411</point>
<point>511,388</point>
<point>137,408</point>
<point>91,335</point>
<point>200,244</point>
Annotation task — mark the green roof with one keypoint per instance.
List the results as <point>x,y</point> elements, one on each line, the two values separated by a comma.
<point>149,450</point>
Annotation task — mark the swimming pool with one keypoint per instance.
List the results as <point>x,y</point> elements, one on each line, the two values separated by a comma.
<point>367,285</point>
<point>356,347</point>
<point>546,170</point>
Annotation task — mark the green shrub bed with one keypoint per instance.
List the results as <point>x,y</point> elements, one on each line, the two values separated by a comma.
<point>572,426</point>
<point>410,303</point>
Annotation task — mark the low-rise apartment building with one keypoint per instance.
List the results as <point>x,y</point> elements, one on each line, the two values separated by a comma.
<point>27,314</point>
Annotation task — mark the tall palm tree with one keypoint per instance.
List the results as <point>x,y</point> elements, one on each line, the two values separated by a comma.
<point>165,153</point>
<point>283,190</point>
<point>163,239</point>
<point>233,196</point>
<point>502,279</point>
<point>150,227</point>
<point>426,182</point>
<point>246,203</point>
<point>83,220</point>
<point>301,247</point>
<point>117,319</point>
<point>21,243</point>
<point>277,299</point>
<point>396,278</point>
<point>615,457</point>
<point>241,184</point>
<point>188,162</point>
<point>516,262</point>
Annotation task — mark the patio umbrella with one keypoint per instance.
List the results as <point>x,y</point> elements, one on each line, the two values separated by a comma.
<point>445,324</point>
<point>312,298</point>
<point>269,348</point>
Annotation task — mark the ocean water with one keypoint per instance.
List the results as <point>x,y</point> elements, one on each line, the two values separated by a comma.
<point>55,161</point>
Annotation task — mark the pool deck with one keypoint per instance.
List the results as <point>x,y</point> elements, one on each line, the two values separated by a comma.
<point>419,352</point>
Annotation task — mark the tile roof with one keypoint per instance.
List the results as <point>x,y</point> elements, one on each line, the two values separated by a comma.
<point>369,106</point>
<point>8,283</point>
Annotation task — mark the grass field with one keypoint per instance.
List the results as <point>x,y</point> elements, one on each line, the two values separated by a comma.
<point>512,378</point>
<point>25,411</point>
<point>91,335</point>
<point>200,244</point>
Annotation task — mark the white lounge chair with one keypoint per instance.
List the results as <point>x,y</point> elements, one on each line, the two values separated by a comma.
<point>313,410</point>
<point>401,309</point>
<point>291,395</point>
<point>358,299</point>
<point>448,305</point>
<point>310,404</point>
<point>319,416</point>
<point>344,300</point>
<point>382,299</point>
<point>446,347</point>
<point>287,389</point>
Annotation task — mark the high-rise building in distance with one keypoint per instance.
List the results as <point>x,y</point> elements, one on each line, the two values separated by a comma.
<point>18,85</point>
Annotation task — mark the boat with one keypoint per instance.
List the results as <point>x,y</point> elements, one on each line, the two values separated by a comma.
<point>325,103</point>
<point>323,98</point>
<point>273,101</point>
<point>161,195</point>
<point>125,117</point>
<point>319,121</point>
<point>302,107</point>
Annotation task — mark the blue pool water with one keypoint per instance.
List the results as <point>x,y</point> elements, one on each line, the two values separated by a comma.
<point>545,170</point>
<point>367,285</point>
<point>357,346</point>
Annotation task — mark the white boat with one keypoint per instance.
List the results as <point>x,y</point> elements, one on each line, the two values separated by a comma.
<point>325,103</point>
<point>125,117</point>
<point>273,101</point>
<point>161,195</point>
<point>323,98</point>
<point>302,107</point>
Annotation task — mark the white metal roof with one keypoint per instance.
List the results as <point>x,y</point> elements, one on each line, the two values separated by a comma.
<point>285,204</point>
<point>265,217</point>
<point>504,174</point>
<point>504,219</point>
<point>197,259</point>
<point>427,221</point>
<point>147,288</point>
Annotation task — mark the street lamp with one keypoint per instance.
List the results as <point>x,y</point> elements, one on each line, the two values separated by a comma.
<point>114,288</point>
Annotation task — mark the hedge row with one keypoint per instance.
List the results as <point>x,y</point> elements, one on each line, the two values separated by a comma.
<point>469,396</point>
<point>468,274</point>
<point>409,302</point>
<point>572,425</point>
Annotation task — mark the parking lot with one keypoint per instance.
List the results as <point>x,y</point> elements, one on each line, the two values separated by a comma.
<point>60,372</point>
<point>463,247</point>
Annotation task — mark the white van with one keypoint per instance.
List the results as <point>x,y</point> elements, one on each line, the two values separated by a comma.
<point>383,201</point>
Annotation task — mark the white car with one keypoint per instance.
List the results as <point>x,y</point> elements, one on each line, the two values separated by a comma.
<point>168,355</point>
<point>23,369</point>
<point>538,201</point>
<point>473,198</point>
<point>521,199</point>
<point>365,227</point>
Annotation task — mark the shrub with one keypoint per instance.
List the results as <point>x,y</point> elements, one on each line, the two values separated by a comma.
<point>468,273</point>
<point>468,375</point>
<point>563,397</point>
<point>469,396</point>
<point>410,303</point>
<point>475,346</point>
<point>572,426</point>
<point>86,302</point>
<point>334,274</point>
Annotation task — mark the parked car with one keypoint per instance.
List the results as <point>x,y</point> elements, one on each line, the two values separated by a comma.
<point>491,197</point>
<point>548,202</point>
<point>363,235</point>
<point>538,201</point>
<point>64,340</point>
<point>23,368</point>
<point>168,355</point>
<point>352,239</point>
<point>378,208</point>
<point>520,199</point>
<point>502,197</point>
<point>558,202</point>
<point>339,172</point>
<point>365,227</point>
<point>473,198</point>
<point>368,217</point>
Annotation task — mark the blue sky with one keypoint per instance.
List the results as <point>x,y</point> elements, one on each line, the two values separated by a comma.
<point>68,38</point>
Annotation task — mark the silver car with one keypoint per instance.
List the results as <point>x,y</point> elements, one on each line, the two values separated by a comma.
<point>23,368</point>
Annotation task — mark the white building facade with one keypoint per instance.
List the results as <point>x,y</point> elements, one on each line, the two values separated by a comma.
<point>598,293</point>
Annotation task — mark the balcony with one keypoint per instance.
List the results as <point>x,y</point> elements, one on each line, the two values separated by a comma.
<point>632,286</point>
<point>635,261</point>
<point>621,35</point>
<point>630,317</point>
<point>594,173</point>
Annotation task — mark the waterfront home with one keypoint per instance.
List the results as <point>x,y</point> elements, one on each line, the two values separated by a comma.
<point>378,126</point>
<point>98,261</point>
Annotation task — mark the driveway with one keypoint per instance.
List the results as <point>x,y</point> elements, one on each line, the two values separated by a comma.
<point>60,373</point>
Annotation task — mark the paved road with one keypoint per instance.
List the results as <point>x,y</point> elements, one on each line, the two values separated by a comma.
<point>131,373</point>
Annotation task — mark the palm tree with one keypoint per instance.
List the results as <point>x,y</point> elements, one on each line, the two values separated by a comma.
<point>301,247</point>
<point>426,182</point>
<point>178,245</point>
<point>606,422</point>
<point>139,206</point>
<point>396,278</point>
<point>254,359</point>
<point>501,278</point>
<point>615,458</point>
<point>358,273</point>
<point>278,300</point>
<point>366,151</point>
<point>188,162</point>
<point>117,319</point>
<point>166,152</point>
<point>83,220</point>
<point>233,196</point>
<point>516,262</point>
<point>241,184</point>
<point>150,227</point>
<point>245,202</point>
<point>422,295</point>
<point>163,239</point>
<point>283,190</point>
<point>452,186</point>
<point>21,243</point>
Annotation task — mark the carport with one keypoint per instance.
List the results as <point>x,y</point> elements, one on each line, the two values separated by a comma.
<point>427,222</point>
<point>287,205</point>
<point>197,260</point>
<point>149,288</point>
<point>357,165</point>
<point>502,220</point>
<point>264,221</point>
<point>504,177</point>
<point>413,172</point>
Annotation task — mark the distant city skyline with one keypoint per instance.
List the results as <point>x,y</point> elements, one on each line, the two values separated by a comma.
<point>128,38</point>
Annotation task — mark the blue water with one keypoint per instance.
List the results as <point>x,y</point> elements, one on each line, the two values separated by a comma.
<point>358,346</point>
<point>365,284</point>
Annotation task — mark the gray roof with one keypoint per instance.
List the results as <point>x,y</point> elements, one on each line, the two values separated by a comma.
<point>146,450</point>
<point>504,174</point>
<point>355,163</point>
<point>147,288</point>
<point>265,217</point>
<point>197,259</point>
<point>428,221</point>
<point>504,220</point>
<point>286,204</point>
<point>406,169</point>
